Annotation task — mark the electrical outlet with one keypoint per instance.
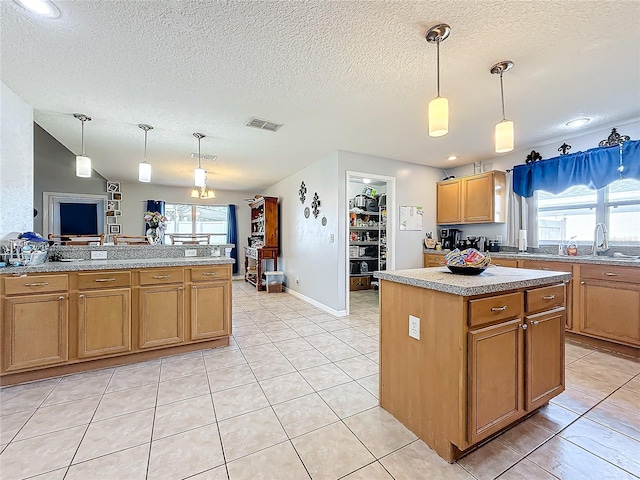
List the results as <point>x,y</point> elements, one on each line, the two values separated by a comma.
<point>499,238</point>
<point>414,327</point>
<point>191,252</point>
<point>297,279</point>
<point>98,254</point>
<point>332,238</point>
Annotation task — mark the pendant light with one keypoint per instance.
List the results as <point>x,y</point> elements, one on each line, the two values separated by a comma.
<point>199,174</point>
<point>83,163</point>
<point>144,169</point>
<point>504,129</point>
<point>439,106</point>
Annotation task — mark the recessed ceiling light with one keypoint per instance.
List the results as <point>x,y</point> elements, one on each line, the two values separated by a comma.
<point>44,8</point>
<point>578,122</point>
<point>452,158</point>
<point>366,180</point>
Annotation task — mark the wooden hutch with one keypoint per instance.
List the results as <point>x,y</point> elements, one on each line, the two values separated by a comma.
<point>263,241</point>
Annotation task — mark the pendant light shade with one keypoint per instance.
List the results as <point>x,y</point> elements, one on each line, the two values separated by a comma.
<point>200,177</point>
<point>144,169</point>
<point>83,163</point>
<point>439,106</point>
<point>438,117</point>
<point>503,136</point>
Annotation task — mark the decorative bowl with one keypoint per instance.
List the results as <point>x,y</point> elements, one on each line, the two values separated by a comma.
<point>466,270</point>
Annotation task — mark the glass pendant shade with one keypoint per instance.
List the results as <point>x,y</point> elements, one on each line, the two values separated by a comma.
<point>195,193</point>
<point>83,166</point>
<point>144,172</point>
<point>200,177</point>
<point>438,117</point>
<point>504,136</point>
<point>211,194</point>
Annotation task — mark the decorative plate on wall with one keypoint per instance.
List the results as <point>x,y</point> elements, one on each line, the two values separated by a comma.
<point>324,221</point>
<point>307,212</point>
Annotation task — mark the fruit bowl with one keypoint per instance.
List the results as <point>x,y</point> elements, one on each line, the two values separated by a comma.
<point>467,262</point>
<point>466,270</point>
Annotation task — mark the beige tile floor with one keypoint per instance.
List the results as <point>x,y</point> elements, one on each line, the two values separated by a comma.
<point>295,397</point>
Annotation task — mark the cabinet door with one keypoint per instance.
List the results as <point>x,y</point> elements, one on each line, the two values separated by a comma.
<point>478,198</point>
<point>161,315</point>
<point>448,202</point>
<point>495,378</point>
<point>610,310</point>
<point>432,260</point>
<point>544,344</point>
<point>36,331</point>
<point>104,322</point>
<point>210,310</point>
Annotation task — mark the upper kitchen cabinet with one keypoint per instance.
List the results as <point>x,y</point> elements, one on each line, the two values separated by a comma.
<point>475,199</point>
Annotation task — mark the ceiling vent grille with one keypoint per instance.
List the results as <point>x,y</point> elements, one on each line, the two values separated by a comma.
<point>264,124</point>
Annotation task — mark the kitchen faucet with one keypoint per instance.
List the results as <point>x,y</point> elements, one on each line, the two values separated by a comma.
<point>604,246</point>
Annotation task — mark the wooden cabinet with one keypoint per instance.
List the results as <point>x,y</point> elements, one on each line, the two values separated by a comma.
<point>210,310</point>
<point>495,378</point>
<point>35,331</point>
<point>432,260</point>
<point>161,315</point>
<point>263,241</point>
<point>104,322</point>
<point>557,267</point>
<point>475,199</point>
<point>545,357</point>
<point>504,262</point>
<point>449,207</point>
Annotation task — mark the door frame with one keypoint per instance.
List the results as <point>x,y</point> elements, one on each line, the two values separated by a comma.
<point>391,222</point>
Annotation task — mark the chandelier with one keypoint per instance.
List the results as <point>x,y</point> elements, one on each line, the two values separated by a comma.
<point>203,192</point>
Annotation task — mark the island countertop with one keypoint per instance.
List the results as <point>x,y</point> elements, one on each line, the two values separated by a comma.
<point>116,264</point>
<point>492,280</point>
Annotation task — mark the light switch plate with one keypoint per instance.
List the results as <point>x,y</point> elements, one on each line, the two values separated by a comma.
<point>414,327</point>
<point>98,254</point>
<point>191,252</point>
<point>499,238</point>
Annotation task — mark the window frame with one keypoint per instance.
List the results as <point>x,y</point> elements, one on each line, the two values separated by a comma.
<point>194,221</point>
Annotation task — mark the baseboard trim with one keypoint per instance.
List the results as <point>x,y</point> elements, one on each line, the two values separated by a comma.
<point>315,303</point>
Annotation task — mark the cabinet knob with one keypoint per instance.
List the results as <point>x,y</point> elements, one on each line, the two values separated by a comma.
<point>535,322</point>
<point>581,283</point>
<point>179,288</point>
<point>61,297</point>
<point>80,296</point>
<point>194,287</point>
<point>499,309</point>
<point>523,326</point>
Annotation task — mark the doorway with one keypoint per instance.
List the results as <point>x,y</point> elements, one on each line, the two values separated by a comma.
<point>370,234</point>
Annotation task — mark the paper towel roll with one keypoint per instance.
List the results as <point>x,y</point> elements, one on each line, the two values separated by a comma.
<point>522,240</point>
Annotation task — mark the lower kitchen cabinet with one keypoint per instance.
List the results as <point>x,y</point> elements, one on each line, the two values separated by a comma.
<point>210,310</point>
<point>35,331</point>
<point>495,373</point>
<point>544,347</point>
<point>104,322</point>
<point>161,315</point>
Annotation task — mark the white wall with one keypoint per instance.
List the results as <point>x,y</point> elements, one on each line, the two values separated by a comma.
<point>16,164</point>
<point>585,141</point>
<point>135,195</point>
<point>305,248</point>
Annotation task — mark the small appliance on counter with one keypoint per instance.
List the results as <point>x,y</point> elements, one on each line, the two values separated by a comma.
<point>494,246</point>
<point>449,238</point>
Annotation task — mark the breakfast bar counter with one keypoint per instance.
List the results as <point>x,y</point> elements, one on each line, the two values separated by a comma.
<point>464,357</point>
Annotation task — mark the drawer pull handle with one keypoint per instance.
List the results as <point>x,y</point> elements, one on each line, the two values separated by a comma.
<point>36,284</point>
<point>179,288</point>
<point>548,297</point>
<point>545,268</point>
<point>523,326</point>
<point>582,283</point>
<point>61,297</point>
<point>162,276</point>
<point>194,287</point>
<point>499,309</point>
<point>80,296</point>
<point>105,280</point>
<point>611,274</point>
<point>209,274</point>
<point>535,322</point>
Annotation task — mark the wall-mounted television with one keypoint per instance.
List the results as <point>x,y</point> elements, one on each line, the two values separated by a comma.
<point>73,214</point>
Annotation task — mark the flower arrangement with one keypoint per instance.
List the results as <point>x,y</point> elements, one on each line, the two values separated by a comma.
<point>155,219</point>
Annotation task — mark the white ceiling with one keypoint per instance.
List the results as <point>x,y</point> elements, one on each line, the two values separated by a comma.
<point>340,75</point>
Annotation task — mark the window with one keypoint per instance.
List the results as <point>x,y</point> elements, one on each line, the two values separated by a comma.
<point>575,212</point>
<point>210,219</point>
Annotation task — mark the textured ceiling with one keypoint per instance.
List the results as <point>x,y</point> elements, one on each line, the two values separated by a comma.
<point>340,75</point>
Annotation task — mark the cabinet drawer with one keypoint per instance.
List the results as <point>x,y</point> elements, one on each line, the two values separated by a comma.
<point>159,277</point>
<point>213,272</point>
<point>547,266</point>
<point>359,283</point>
<point>87,281</point>
<point>500,307</point>
<point>544,298</point>
<point>613,273</point>
<point>35,284</point>
<point>504,262</point>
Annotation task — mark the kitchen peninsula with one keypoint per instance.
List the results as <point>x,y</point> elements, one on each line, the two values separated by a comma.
<point>489,351</point>
<point>65,317</point>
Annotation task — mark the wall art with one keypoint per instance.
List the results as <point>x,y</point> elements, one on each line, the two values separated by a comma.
<point>316,205</point>
<point>303,192</point>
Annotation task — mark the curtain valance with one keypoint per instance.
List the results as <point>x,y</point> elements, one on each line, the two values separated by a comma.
<point>595,168</point>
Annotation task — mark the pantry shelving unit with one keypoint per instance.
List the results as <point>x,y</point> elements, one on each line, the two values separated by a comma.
<point>263,242</point>
<point>367,246</point>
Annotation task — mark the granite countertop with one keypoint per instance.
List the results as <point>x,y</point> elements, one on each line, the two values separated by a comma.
<point>492,280</point>
<point>88,265</point>
<point>589,259</point>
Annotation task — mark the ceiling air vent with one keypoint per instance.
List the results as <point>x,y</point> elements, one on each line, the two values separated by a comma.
<point>264,124</point>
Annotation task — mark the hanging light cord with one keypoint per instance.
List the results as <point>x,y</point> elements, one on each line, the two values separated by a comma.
<point>438,63</point>
<point>145,145</point>
<point>82,120</point>
<point>199,166</point>
<point>502,97</point>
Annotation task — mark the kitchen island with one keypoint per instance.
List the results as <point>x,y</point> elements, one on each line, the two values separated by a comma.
<point>66,317</point>
<point>489,351</point>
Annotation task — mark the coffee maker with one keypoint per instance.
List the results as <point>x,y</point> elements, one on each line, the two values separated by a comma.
<point>449,238</point>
